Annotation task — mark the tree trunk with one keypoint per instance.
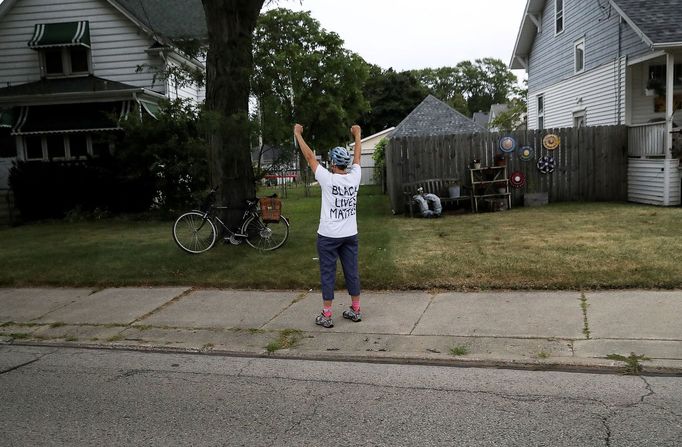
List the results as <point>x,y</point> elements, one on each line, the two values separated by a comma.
<point>228,70</point>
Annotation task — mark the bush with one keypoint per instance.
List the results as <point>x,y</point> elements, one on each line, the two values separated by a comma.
<point>52,189</point>
<point>170,152</point>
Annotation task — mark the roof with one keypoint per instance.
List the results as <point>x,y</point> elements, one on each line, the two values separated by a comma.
<point>434,117</point>
<point>655,21</point>
<point>174,19</point>
<point>386,133</point>
<point>481,118</point>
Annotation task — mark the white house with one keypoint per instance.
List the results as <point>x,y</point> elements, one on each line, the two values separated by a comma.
<point>609,62</point>
<point>367,160</point>
<point>72,69</point>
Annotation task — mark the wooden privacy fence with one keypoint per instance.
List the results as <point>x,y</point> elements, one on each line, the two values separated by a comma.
<point>591,162</point>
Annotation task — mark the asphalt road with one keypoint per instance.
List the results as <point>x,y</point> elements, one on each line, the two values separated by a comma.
<point>54,396</point>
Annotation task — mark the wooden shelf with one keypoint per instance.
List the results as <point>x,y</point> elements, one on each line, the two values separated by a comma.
<point>486,182</point>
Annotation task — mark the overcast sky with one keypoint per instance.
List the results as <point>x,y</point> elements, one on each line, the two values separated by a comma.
<point>417,34</point>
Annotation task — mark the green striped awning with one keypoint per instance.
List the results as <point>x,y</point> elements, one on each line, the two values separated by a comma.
<point>69,118</point>
<point>46,35</point>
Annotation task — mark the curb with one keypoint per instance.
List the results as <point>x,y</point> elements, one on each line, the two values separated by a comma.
<point>582,365</point>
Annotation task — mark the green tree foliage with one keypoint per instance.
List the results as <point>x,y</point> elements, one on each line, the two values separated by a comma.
<point>445,83</point>
<point>470,87</point>
<point>516,113</point>
<point>379,157</point>
<point>392,96</point>
<point>302,73</point>
<point>169,151</point>
<point>485,82</point>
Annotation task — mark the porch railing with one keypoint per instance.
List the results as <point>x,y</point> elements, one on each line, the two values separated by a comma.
<point>646,140</point>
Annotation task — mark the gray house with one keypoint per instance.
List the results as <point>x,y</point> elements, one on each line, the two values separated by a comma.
<point>609,62</point>
<point>433,117</point>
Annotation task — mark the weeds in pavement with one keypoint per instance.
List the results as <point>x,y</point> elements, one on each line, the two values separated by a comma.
<point>632,362</point>
<point>459,350</point>
<point>288,338</point>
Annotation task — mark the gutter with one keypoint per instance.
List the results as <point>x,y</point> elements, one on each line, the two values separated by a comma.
<point>65,98</point>
<point>667,45</point>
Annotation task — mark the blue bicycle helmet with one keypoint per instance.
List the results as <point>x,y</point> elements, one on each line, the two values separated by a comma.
<point>339,156</point>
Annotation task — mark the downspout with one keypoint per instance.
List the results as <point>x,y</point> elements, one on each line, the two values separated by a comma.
<point>619,102</point>
<point>670,83</point>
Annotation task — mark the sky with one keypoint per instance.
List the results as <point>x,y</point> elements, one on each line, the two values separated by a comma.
<point>412,34</point>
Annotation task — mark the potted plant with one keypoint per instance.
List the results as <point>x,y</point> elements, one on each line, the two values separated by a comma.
<point>476,163</point>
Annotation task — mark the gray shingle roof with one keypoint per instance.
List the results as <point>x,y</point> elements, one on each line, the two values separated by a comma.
<point>434,117</point>
<point>173,19</point>
<point>481,118</point>
<point>659,20</point>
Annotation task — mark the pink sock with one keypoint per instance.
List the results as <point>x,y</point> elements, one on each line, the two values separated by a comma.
<point>356,306</point>
<point>327,312</point>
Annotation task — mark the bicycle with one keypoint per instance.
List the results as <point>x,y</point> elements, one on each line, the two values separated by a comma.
<point>196,231</point>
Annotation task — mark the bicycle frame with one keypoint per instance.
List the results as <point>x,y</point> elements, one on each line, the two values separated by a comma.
<point>209,214</point>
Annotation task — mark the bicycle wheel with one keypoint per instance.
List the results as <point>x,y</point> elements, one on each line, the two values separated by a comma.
<point>194,233</point>
<point>266,236</point>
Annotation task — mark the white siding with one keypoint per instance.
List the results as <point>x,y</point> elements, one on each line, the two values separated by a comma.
<point>118,46</point>
<point>655,182</point>
<point>597,91</point>
<point>192,91</point>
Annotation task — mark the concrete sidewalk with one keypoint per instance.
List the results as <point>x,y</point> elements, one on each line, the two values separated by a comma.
<point>534,329</point>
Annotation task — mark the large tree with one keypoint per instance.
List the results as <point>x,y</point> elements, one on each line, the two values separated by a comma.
<point>470,86</point>
<point>302,73</point>
<point>392,96</point>
<point>485,82</point>
<point>229,65</point>
<point>445,83</point>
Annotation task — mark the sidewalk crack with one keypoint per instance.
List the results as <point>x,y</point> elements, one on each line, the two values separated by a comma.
<point>433,297</point>
<point>163,306</point>
<point>301,296</point>
<point>583,307</point>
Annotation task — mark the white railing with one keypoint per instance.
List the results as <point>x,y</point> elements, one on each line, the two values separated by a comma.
<point>646,140</point>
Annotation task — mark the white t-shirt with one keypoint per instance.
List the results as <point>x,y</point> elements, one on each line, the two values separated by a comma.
<point>339,201</point>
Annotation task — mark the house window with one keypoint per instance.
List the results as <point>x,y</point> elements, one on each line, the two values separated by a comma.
<point>78,145</point>
<point>541,112</point>
<point>55,146</point>
<point>579,56</point>
<point>559,16</point>
<point>34,147</point>
<point>53,62</point>
<point>7,145</point>
<point>64,146</point>
<point>65,61</point>
<point>100,147</point>
<point>658,73</point>
<point>579,119</point>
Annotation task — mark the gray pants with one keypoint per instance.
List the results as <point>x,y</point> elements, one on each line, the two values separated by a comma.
<point>424,199</point>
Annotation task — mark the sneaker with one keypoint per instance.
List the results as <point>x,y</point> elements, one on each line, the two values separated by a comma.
<point>352,315</point>
<point>323,321</point>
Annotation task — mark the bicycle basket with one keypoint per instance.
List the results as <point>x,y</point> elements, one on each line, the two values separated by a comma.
<point>270,209</point>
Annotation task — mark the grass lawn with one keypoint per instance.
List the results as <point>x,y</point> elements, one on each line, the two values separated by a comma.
<point>560,246</point>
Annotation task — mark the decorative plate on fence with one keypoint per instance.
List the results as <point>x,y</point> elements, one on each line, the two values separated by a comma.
<point>517,179</point>
<point>507,144</point>
<point>551,141</point>
<point>526,153</point>
<point>546,164</point>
